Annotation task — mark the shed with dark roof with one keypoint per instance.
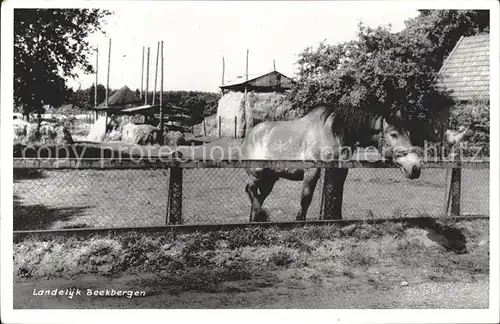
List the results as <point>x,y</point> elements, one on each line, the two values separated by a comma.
<point>273,81</point>
<point>121,99</point>
<point>466,71</point>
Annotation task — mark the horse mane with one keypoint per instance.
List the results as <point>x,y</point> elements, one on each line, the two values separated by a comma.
<point>349,121</point>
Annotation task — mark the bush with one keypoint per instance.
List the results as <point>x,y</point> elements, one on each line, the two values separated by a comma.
<point>476,116</point>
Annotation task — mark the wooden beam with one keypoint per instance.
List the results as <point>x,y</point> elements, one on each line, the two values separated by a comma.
<point>164,162</point>
<point>142,74</point>
<point>147,79</point>
<point>223,70</point>
<point>455,191</point>
<point>192,228</point>
<point>156,71</point>
<point>107,78</point>
<point>162,123</point>
<point>174,214</point>
<point>96,75</point>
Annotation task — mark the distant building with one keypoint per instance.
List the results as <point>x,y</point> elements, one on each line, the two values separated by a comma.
<point>121,99</point>
<point>266,98</point>
<point>466,71</point>
<point>264,82</point>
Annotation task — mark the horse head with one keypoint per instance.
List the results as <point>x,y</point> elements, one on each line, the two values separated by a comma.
<point>396,137</point>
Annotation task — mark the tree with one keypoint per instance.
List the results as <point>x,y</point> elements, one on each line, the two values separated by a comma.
<point>101,95</point>
<point>383,71</point>
<point>440,30</point>
<point>49,44</point>
<point>200,104</point>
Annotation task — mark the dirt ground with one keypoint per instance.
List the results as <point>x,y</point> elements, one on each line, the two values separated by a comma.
<point>428,295</point>
<point>424,264</point>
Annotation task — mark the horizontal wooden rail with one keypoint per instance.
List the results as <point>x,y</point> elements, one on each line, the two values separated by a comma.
<point>158,163</point>
<point>190,228</point>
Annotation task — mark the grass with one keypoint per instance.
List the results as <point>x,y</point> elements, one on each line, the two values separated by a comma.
<point>139,197</point>
<point>116,254</point>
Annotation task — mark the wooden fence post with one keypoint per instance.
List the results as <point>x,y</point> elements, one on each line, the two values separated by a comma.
<point>204,128</point>
<point>174,213</point>
<point>235,127</point>
<point>220,123</point>
<point>455,191</point>
<point>333,189</point>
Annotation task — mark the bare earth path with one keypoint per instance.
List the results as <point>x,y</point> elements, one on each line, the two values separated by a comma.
<point>422,295</point>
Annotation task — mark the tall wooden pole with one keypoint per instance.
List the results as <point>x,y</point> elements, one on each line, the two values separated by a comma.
<point>156,71</point>
<point>246,72</point>
<point>107,91</point>
<point>147,80</point>
<point>161,98</point>
<point>274,65</point>
<point>96,75</point>
<point>246,128</point>
<point>223,69</point>
<point>107,78</point>
<point>142,73</point>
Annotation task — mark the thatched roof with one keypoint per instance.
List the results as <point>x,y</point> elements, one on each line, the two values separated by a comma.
<point>122,97</point>
<point>466,71</point>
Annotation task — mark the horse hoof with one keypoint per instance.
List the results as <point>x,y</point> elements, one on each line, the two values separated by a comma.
<point>300,218</point>
<point>261,216</point>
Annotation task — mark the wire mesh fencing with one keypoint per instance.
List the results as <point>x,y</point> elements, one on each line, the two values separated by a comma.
<point>90,198</point>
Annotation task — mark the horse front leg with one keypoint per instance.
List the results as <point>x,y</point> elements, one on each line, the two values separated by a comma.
<point>311,177</point>
<point>259,187</point>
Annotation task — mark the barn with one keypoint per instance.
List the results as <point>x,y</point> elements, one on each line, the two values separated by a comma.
<point>466,71</point>
<point>245,103</point>
<point>466,74</point>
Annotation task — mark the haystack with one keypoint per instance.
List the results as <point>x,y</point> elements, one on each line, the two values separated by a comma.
<point>50,133</point>
<point>20,128</point>
<point>231,106</point>
<point>140,134</point>
<point>97,131</point>
<point>266,106</point>
<point>174,138</point>
<point>208,127</point>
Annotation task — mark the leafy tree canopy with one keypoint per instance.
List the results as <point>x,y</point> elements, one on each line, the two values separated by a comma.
<point>84,98</point>
<point>382,71</point>
<point>48,45</point>
<point>199,103</point>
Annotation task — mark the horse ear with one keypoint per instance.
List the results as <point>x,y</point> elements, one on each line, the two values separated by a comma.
<point>386,124</point>
<point>378,123</point>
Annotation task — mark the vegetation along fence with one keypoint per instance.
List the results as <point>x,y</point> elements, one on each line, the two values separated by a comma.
<point>60,194</point>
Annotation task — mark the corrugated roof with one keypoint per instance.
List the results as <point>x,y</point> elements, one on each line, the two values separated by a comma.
<point>121,97</point>
<point>466,72</point>
<point>242,80</point>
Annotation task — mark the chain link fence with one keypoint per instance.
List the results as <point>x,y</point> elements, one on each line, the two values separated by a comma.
<point>90,198</point>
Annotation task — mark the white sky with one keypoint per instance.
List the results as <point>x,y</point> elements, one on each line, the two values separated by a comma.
<point>197,35</point>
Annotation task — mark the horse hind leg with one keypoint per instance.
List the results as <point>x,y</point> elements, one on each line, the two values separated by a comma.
<point>311,177</point>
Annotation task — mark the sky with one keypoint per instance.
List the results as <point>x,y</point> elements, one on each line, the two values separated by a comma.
<point>197,35</point>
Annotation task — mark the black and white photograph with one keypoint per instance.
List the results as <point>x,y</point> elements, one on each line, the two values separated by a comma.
<point>247,155</point>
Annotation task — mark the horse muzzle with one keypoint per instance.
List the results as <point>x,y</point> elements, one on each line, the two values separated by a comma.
<point>409,165</point>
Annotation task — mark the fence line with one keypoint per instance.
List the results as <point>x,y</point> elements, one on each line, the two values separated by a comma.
<point>190,186</point>
<point>166,163</point>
